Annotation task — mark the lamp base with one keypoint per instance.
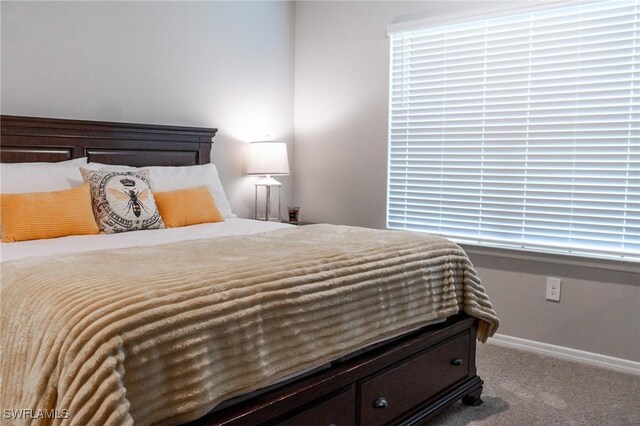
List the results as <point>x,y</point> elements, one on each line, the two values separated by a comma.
<point>268,183</point>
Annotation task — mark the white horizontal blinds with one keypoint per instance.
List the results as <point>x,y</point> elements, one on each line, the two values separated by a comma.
<point>520,130</point>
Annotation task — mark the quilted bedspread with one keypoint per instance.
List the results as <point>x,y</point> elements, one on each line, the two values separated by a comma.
<point>162,334</point>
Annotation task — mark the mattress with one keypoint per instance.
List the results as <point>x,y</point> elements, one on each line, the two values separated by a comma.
<point>159,329</point>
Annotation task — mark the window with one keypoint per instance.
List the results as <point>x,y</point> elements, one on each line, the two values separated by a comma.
<point>520,131</point>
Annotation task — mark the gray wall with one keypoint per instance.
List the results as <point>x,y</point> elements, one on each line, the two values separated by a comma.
<point>219,64</point>
<point>341,110</point>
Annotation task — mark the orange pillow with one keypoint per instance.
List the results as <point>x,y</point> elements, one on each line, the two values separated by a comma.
<point>40,215</point>
<point>187,207</point>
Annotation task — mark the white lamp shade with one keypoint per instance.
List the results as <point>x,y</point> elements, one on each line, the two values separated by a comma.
<point>268,159</point>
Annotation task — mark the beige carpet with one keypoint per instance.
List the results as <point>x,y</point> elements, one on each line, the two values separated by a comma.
<point>527,389</point>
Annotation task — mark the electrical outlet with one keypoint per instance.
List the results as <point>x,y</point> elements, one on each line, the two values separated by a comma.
<point>553,288</point>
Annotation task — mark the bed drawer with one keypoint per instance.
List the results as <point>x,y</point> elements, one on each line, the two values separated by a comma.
<point>393,393</point>
<point>338,411</point>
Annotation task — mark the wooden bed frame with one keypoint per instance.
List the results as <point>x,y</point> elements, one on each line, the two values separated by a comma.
<point>30,139</point>
<point>401,381</point>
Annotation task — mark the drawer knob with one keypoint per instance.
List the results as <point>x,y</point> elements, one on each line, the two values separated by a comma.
<point>381,402</point>
<point>456,362</point>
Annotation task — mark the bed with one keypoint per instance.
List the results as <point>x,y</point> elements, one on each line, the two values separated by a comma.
<point>399,364</point>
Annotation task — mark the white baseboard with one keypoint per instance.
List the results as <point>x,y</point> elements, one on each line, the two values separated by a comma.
<point>604,361</point>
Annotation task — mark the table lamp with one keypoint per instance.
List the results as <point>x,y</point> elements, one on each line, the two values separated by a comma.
<point>268,159</point>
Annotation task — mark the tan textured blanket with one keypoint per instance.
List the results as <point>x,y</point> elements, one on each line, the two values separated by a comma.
<point>163,334</point>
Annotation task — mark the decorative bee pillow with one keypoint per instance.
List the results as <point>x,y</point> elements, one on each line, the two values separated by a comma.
<point>122,200</point>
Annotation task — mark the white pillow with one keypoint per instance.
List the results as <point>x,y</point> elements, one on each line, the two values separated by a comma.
<point>169,178</point>
<point>16,178</point>
<point>166,178</point>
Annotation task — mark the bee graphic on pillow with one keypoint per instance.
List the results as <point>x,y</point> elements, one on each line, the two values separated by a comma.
<point>131,196</point>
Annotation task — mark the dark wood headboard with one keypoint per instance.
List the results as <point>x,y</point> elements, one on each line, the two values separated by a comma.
<point>31,139</point>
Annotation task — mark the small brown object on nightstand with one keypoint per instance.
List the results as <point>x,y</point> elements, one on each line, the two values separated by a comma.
<point>293,214</point>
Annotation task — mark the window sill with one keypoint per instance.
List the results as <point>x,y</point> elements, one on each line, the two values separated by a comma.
<point>557,258</point>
